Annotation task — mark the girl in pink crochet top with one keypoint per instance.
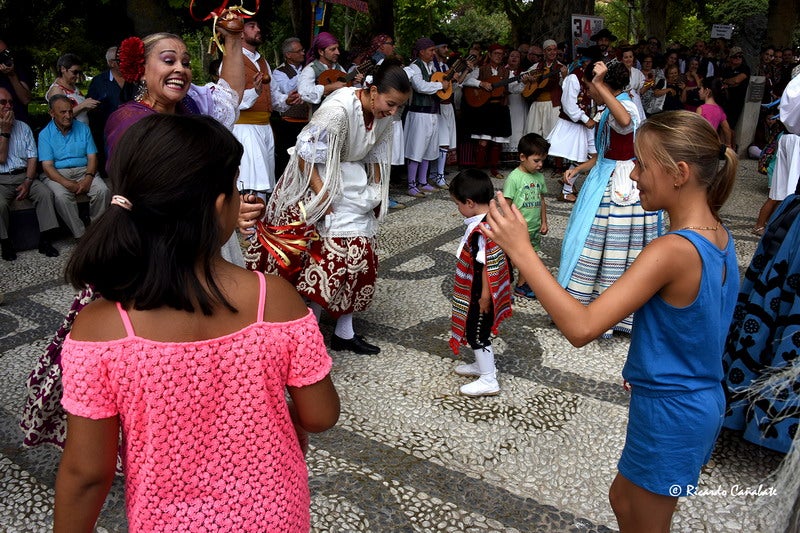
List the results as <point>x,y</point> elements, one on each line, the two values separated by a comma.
<point>189,355</point>
<point>710,90</point>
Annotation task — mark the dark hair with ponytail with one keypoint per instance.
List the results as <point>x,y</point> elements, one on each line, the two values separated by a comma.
<point>675,136</point>
<point>172,169</point>
<point>391,75</point>
<point>715,86</point>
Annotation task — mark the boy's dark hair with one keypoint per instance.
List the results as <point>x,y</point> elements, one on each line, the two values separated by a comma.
<point>618,77</point>
<point>472,184</point>
<point>172,169</point>
<point>533,144</point>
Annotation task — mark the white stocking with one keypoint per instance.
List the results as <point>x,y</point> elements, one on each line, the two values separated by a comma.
<point>344,327</point>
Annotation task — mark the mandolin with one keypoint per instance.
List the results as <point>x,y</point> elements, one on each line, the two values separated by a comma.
<point>333,75</point>
<point>457,68</point>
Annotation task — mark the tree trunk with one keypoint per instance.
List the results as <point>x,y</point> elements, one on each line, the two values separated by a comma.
<point>549,20</point>
<point>782,18</point>
<point>302,20</point>
<point>655,18</point>
<point>381,13</point>
<point>150,16</point>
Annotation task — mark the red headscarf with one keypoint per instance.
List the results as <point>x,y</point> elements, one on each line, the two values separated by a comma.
<point>322,41</point>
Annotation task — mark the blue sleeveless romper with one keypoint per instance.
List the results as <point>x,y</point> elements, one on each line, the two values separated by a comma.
<point>674,367</point>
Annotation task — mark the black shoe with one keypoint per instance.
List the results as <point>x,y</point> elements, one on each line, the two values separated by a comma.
<point>8,251</point>
<point>47,248</point>
<point>357,344</point>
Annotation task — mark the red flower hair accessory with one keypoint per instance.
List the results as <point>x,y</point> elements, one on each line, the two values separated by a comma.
<point>131,59</point>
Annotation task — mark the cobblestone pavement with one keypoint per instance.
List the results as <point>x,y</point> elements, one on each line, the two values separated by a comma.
<point>409,453</point>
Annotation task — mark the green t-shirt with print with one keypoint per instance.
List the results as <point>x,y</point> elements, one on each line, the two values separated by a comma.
<point>526,192</point>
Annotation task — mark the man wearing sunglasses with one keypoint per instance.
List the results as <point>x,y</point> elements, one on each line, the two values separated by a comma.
<point>735,77</point>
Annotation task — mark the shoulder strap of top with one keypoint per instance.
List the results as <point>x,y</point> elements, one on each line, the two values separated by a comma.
<point>126,320</point>
<point>262,295</point>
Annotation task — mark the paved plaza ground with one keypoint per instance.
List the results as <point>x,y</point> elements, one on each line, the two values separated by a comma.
<point>409,453</point>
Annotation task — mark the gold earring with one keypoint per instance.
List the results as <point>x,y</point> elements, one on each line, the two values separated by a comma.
<point>676,186</point>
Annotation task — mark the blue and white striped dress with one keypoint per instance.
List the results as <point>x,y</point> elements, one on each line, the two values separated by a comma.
<point>608,227</point>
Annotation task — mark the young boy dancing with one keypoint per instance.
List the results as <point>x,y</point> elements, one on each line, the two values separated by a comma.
<point>525,187</point>
<point>482,288</point>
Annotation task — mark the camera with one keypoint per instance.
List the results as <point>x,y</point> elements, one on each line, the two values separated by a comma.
<point>6,58</point>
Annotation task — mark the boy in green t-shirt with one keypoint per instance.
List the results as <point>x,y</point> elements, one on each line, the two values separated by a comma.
<point>525,187</point>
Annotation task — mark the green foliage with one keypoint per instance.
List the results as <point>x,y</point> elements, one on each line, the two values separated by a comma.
<point>471,23</point>
<point>350,27</point>
<point>414,19</point>
<point>736,12</point>
<point>687,20</point>
<point>276,29</point>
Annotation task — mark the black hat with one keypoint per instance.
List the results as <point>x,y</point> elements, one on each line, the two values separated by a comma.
<point>605,32</point>
<point>590,52</point>
<point>440,39</point>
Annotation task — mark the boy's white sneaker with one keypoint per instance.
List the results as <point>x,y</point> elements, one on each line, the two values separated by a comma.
<point>468,370</point>
<point>483,386</point>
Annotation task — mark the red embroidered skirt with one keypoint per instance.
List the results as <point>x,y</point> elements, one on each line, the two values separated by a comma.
<point>341,279</point>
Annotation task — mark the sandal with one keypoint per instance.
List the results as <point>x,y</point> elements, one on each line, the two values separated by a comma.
<point>569,198</point>
<point>759,231</point>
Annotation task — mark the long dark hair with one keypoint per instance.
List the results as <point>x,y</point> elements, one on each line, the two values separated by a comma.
<point>161,252</point>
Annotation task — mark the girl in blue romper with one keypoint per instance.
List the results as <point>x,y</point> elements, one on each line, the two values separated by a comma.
<point>682,288</point>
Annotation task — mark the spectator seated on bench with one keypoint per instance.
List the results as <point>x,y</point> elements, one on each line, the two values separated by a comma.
<point>18,161</point>
<point>69,160</point>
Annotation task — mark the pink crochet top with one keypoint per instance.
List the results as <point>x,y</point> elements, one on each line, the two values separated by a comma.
<point>208,443</point>
<point>713,114</point>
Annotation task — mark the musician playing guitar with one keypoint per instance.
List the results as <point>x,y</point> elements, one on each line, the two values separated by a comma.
<point>490,124</point>
<point>322,55</point>
<point>447,115</point>
<point>422,120</point>
<point>546,104</point>
<point>572,137</point>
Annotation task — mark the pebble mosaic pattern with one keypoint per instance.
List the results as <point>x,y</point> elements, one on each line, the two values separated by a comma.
<point>409,454</point>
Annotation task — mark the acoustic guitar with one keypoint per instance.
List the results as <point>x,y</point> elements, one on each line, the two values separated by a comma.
<point>538,80</point>
<point>477,96</point>
<point>333,75</point>
<point>457,68</point>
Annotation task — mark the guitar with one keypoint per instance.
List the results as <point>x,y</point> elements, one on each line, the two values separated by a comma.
<point>540,79</point>
<point>333,75</point>
<point>477,96</point>
<point>457,68</point>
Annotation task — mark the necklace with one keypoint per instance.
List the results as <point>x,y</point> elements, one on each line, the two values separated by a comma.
<point>706,228</point>
<point>369,118</point>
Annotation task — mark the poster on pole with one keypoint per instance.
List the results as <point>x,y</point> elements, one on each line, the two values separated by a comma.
<point>722,31</point>
<point>582,29</point>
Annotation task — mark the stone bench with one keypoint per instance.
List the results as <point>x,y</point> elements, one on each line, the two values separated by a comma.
<point>24,227</point>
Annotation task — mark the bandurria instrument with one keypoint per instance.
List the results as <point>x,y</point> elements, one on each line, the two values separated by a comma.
<point>333,75</point>
<point>456,69</point>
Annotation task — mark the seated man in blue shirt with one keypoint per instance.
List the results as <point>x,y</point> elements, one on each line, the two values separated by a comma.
<point>69,160</point>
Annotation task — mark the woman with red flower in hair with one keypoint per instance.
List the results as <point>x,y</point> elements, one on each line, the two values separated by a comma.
<point>159,66</point>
